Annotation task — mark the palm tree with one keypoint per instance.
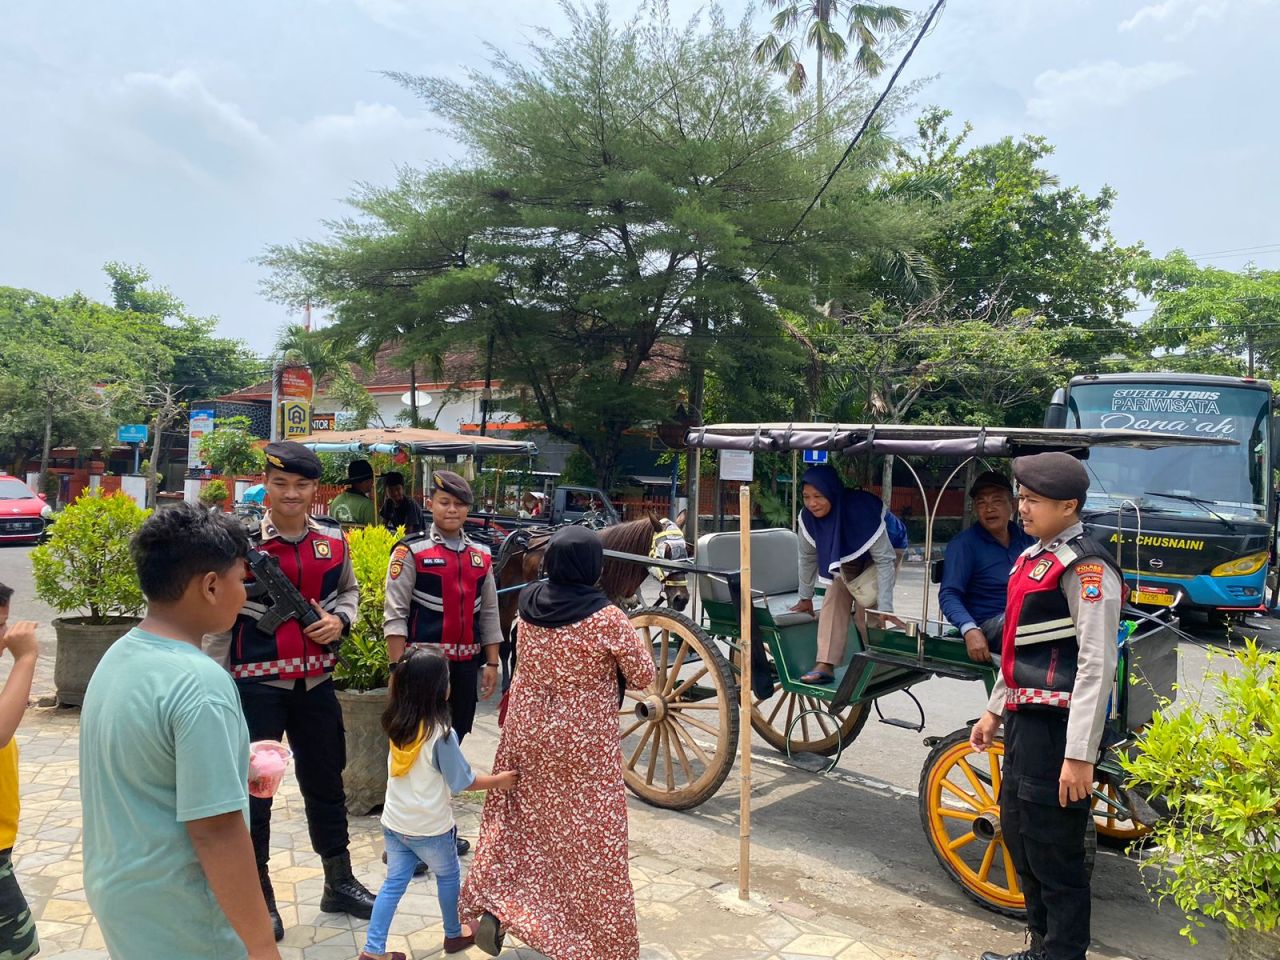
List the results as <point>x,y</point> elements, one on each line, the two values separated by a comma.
<point>815,24</point>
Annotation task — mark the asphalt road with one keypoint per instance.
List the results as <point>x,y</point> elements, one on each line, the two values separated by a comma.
<point>848,844</point>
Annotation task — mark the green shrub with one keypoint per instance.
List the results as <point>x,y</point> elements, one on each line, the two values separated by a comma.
<point>229,448</point>
<point>214,493</point>
<point>365,650</point>
<point>1216,763</point>
<point>85,566</point>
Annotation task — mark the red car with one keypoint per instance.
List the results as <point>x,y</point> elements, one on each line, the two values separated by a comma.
<point>23,513</point>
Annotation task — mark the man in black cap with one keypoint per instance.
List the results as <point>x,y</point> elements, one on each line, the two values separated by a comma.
<point>1058,669</point>
<point>975,572</point>
<point>398,510</point>
<point>440,590</point>
<point>352,507</point>
<point>283,677</point>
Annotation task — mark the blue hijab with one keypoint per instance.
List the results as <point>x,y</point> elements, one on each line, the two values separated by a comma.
<point>847,532</point>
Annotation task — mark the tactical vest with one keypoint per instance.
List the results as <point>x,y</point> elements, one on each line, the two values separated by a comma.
<point>1039,654</point>
<point>447,595</point>
<point>314,565</point>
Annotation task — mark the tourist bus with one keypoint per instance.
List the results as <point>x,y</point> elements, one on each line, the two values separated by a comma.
<point>1191,526</point>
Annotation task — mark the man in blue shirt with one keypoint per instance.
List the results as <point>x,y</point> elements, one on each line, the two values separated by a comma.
<point>975,574</point>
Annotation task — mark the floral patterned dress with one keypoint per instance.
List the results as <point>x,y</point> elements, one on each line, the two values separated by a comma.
<point>552,859</point>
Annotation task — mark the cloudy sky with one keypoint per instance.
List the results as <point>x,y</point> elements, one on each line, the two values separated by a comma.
<point>187,136</point>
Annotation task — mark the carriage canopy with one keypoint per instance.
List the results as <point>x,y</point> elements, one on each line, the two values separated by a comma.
<point>927,441</point>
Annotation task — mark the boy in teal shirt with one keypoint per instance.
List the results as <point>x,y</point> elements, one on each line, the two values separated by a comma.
<point>164,760</point>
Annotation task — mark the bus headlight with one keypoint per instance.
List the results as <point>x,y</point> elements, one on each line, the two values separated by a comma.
<point>1242,567</point>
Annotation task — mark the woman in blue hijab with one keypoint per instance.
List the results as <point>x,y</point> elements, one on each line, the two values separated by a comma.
<point>845,547</point>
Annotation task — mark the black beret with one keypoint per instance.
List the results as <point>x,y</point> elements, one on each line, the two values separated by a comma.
<point>451,483</point>
<point>393,478</point>
<point>1058,476</point>
<point>292,457</point>
<point>358,470</point>
<point>990,478</point>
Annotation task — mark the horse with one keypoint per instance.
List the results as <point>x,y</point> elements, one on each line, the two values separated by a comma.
<point>519,561</point>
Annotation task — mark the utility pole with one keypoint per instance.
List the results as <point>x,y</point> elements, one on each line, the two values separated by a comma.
<point>486,398</point>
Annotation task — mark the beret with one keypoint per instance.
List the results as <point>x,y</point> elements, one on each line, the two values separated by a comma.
<point>990,478</point>
<point>1058,476</point>
<point>452,484</point>
<point>292,457</point>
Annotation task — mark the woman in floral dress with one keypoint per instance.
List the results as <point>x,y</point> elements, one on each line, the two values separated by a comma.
<point>551,864</point>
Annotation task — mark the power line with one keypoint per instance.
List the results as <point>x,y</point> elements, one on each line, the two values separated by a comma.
<point>866,123</point>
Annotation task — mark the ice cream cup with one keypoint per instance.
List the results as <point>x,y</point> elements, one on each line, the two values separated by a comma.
<point>268,760</point>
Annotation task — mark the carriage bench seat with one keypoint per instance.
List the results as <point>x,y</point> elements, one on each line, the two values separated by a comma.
<point>775,571</point>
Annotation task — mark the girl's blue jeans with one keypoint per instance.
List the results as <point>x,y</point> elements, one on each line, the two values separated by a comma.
<point>440,854</point>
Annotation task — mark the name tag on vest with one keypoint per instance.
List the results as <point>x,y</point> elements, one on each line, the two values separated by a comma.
<point>433,561</point>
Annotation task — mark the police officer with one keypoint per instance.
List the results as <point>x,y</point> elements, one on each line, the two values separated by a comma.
<point>1058,666</point>
<point>440,590</point>
<point>283,677</point>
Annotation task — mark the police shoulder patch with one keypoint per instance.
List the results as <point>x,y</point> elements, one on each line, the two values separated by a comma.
<point>1090,575</point>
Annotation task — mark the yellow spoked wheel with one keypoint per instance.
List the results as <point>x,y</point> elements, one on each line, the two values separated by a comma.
<point>812,728</point>
<point>960,811</point>
<point>679,735</point>
<point>1114,830</point>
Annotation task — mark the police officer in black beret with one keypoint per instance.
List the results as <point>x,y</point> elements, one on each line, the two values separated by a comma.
<point>1058,666</point>
<point>284,677</point>
<point>440,590</point>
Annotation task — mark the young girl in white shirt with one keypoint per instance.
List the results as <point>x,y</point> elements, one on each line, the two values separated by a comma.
<point>426,767</point>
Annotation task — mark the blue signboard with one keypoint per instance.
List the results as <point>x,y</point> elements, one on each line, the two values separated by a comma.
<point>815,456</point>
<point>132,433</point>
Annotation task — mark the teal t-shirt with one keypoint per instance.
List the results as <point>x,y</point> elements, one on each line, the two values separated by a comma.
<point>162,742</point>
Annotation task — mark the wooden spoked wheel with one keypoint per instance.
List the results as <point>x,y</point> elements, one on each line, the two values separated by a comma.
<point>960,811</point>
<point>1114,830</point>
<point>679,735</point>
<point>813,729</point>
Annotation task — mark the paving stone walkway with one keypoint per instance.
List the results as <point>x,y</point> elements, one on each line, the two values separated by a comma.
<point>684,914</point>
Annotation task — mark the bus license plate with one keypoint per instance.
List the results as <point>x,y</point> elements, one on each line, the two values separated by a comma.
<point>1152,599</point>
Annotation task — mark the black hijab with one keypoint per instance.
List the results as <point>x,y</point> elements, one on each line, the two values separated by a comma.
<point>571,592</point>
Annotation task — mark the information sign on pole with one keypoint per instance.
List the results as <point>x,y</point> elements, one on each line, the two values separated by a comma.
<point>131,433</point>
<point>201,423</point>
<point>737,465</point>
<point>815,456</point>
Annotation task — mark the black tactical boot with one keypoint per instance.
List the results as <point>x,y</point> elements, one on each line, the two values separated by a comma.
<point>343,893</point>
<point>1034,951</point>
<point>269,894</point>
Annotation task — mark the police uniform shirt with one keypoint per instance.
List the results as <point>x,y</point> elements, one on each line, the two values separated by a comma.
<point>1097,620</point>
<point>400,597</point>
<point>218,645</point>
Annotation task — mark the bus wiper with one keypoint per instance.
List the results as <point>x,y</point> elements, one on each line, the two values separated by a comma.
<point>1204,504</point>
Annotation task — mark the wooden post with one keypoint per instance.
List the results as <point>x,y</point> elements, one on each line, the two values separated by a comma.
<point>744,709</point>
<point>795,493</point>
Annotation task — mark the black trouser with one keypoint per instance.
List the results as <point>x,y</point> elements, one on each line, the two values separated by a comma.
<point>464,694</point>
<point>1045,840</point>
<point>313,721</point>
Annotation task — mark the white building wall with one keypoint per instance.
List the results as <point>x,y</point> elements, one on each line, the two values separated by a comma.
<point>448,410</point>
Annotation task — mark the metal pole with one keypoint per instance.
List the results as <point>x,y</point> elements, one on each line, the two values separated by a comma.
<point>744,707</point>
<point>795,493</point>
<point>692,484</point>
<point>675,486</point>
<point>486,398</point>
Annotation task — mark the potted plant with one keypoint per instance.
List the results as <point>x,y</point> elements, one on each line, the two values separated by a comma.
<point>1216,765</point>
<point>214,495</point>
<point>361,680</point>
<point>85,569</point>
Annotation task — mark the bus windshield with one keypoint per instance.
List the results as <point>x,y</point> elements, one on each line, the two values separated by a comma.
<point>1230,481</point>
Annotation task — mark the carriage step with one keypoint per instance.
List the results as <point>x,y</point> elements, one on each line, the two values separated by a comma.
<point>904,724</point>
<point>911,663</point>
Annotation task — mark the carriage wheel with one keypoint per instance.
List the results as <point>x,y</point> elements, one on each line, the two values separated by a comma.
<point>813,729</point>
<point>1113,830</point>
<point>680,734</point>
<point>959,808</point>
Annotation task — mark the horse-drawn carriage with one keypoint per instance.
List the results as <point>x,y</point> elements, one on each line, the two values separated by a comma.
<point>679,735</point>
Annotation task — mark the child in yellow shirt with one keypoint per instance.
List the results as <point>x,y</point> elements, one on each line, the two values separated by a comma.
<point>17,926</point>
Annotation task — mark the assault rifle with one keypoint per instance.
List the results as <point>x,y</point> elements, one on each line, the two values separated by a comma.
<point>287,602</point>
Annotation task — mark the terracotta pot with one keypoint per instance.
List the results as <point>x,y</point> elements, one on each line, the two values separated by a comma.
<point>365,776</point>
<point>1253,944</point>
<point>80,646</point>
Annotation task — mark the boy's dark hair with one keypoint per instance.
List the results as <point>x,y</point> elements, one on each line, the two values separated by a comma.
<point>419,696</point>
<point>181,542</point>
<point>6,594</point>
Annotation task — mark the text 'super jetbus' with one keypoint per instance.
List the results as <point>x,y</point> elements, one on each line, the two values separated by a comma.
<point>1206,515</point>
